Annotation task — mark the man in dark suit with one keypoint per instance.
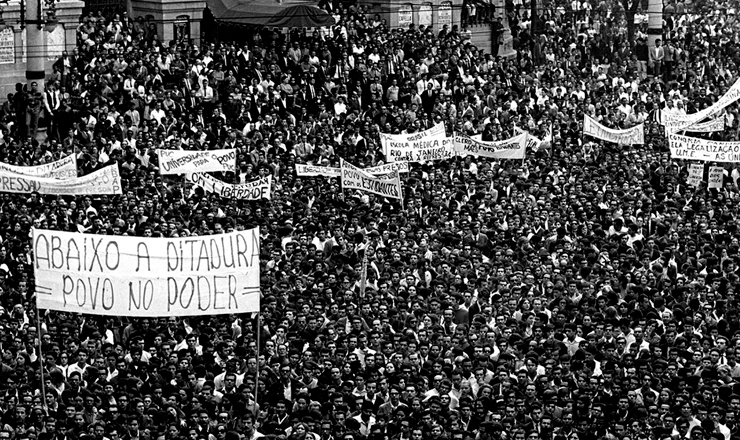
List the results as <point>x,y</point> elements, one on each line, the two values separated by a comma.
<point>429,99</point>
<point>286,388</point>
<point>475,238</point>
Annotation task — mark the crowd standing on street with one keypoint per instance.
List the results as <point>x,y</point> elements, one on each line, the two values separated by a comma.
<point>586,292</point>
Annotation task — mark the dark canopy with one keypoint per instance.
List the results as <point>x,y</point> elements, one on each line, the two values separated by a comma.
<point>270,13</point>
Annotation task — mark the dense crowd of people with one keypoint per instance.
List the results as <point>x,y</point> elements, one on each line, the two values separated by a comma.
<point>584,293</point>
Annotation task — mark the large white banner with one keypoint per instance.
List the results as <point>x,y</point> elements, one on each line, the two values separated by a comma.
<point>356,178</point>
<point>437,148</point>
<point>144,276</point>
<point>630,136</point>
<point>513,148</point>
<point>315,170</point>
<point>412,140</point>
<point>182,161</point>
<point>104,181</point>
<point>255,190</point>
<point>717,124</point>
<point>676,122</point>
<point>65,168</point>
<point>685,147</point>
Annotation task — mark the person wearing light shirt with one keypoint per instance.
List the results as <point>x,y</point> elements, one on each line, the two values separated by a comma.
<point>206,92</point>
<point>158,114</point>
<point>340,107</point>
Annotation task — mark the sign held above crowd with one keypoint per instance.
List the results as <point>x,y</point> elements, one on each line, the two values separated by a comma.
<point>355,178</point>
<point>411,140</point>
<point>255,190</point>
<point>436,148</point>
<point>65,168</point>
<point>182,161</point>
<point>145,276</point>
<point>513,148</point>
<point>103,181</point>
<point>690,148</point>
<point>630,136</point>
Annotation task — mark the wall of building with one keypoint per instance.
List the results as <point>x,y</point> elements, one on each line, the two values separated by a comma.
<point>434,13</point>
<point>13,48</point>
<point>175,19</point>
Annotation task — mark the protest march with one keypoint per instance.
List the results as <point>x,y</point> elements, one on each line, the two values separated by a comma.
<point>384,228</point>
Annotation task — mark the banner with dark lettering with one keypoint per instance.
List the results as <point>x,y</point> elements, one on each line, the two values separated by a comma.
<point>188,161</point>
<point>356,178</point>
<point>717,124</point>
<point>103,181</point>
<point>630,136</point>
<point>427,150</point>
<point>513,148</point>
<point>380,170</point>
<point>315,171</point>
<point>387,168</point>
<point>144,276</point>
<point>410,140</point>
<point>255,190</point>
<point>716,177</point>
<point>65,168</point>
<point>690,148</point>
<point>674,122</point>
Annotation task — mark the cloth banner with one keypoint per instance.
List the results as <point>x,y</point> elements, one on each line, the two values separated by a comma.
<point>188,161</point>
<point>685,147</point>
<point>696,174</point>
<point>356,178</point>
<point>145,276</point>
<point>387,168</point>
<point>513,148</point>
<point>716,177</point>
<point>255,190</point>
<point>315,170</point>
<point>674,122</point>
<point>630,136</point>
<point>437,148</point>
<point>717,124</point>
<point>533,143</point>
<point>103,181</point>
<point>65,168</point>
<point>409,139</point>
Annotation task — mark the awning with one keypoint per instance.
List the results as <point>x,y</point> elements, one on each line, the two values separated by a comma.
<point>270,13</point>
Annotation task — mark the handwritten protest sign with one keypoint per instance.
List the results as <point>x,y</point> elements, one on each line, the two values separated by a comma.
<point>674,122</point>
<point>314,170</point>
<point>144,276</point>
<point>65,168</point>
<point>182,161</point>
<point>717,124</point>
<point>431,149</point>
<point>104,181</point>
<point>513,148</point>
<point>685,147</point>
<point>630,136</point>
<point>356,178</point>
<point>411,139</point>
<point>716,176</point>
<point>387,168</point>
<point>696,174</point>
<point>255,190</point>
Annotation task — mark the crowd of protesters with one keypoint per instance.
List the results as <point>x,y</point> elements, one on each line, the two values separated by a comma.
<point>584,293</point>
